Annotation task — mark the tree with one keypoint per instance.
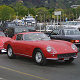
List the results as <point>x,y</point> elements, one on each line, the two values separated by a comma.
<point>62,16</point>
<point>32,11</point>
<point>20,9</point>
<point>43,14</point>
<point>78,11</point>
<point>71,13</point>
<point>6,13</point>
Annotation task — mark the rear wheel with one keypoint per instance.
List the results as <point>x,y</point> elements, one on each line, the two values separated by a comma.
<point>69,61</point>
<point>39,57</point>
<point>10,52</point>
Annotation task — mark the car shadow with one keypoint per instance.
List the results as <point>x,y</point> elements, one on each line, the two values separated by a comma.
<point>50,63</point>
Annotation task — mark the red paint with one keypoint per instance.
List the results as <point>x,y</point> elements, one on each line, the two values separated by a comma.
<point>27,47</point>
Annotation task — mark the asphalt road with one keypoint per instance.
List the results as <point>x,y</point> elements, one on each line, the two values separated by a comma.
<point>25,69</point>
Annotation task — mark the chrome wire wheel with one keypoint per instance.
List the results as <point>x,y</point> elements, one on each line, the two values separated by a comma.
<point>10,52</point>
<point>38,57</point>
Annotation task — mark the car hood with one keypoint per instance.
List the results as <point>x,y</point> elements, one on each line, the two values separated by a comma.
<point>59,45</point>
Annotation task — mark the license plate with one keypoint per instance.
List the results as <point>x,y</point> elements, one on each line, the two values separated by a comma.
<point>66,58</point>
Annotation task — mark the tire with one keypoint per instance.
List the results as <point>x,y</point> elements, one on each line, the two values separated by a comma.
<point>69,61</point>
<point>39,57</point>
<point>10,53</point>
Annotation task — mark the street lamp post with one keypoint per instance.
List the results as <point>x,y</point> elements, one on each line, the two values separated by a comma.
<point>36,20</point>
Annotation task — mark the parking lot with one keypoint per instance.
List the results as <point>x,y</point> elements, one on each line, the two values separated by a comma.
<point>25,69</point>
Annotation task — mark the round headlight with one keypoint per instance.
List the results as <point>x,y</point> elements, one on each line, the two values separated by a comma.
<point>74,47</point>
<point>49,49</point>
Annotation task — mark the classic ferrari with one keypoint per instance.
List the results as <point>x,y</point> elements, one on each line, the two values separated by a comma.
<point>40,47</point>
<point>3,39</point>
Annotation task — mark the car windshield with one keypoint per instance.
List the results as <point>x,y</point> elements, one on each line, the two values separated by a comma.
<point>72,32</point>
<point>2,34</point>
<point>36,36</point>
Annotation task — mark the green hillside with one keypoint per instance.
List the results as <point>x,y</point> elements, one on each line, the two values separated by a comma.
<point>44,3</point>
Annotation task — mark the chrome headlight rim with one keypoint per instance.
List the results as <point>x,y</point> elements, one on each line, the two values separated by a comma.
<point>49,48</point>
<point>74,47</point>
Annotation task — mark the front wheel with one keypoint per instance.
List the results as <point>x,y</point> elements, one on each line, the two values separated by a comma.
<point>10,52</point>
<point>69,61</point>
<point>39,57</point>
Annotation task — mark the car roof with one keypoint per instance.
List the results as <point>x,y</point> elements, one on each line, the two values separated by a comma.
<point>65,28</point>
<point>29,32</point>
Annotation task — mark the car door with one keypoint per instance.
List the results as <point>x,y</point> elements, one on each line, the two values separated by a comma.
<point>18,44</point>
<point>22,47</point>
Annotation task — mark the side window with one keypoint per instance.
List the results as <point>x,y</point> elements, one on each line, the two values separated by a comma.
<point>55,32</point>
<point>60,32</point>
<point>19,37</point>
<point>26,37</point>
<point>63,32</point>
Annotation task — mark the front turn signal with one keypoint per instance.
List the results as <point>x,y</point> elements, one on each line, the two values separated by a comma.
<point>75,41</point>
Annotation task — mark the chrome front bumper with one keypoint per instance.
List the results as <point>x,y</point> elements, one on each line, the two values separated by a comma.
<point>58,58</point>
<point>3,50</point>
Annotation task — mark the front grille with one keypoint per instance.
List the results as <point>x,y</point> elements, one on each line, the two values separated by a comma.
<point>66,55</point>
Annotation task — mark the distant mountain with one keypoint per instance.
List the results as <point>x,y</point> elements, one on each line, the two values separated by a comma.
<point>44,3</point>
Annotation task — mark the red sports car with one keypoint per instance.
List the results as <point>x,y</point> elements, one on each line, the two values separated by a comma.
<point>40,47</point>
<point>3,39</point>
